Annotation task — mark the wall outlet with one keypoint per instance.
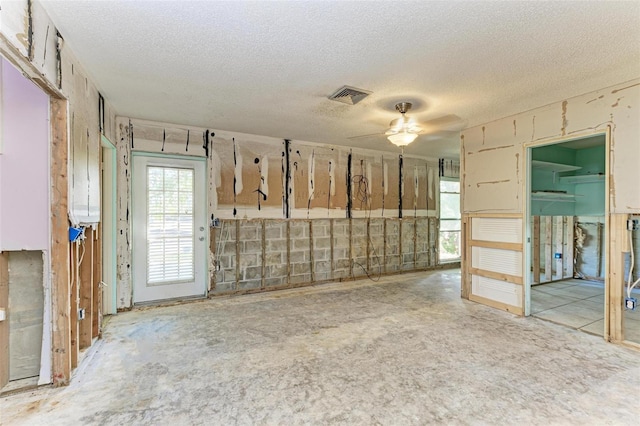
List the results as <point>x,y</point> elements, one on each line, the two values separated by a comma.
<point>632,224</point>
<point>558,255</point>
<point>630,303</point>
<point>81,314</point>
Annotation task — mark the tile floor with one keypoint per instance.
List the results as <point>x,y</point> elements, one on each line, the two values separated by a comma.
<point>579,304</point>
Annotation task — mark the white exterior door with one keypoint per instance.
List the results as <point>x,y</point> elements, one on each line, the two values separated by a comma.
<point>169,228</point>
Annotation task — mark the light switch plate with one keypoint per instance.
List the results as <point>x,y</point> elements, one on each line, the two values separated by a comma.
<point>3,314</point>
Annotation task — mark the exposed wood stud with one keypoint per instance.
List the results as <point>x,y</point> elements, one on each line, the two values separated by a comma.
<point>400,262</point>
<point>536,249</point>
<point>237,260</point>
<point>73,316</point>
<point>288,229</point>
<point>263,260</point>
<point>85,287</point>
<point>368,244</point>
<point>614,295</point>
<point>568,245</point>
<point>465,290</point>
<point>548,268</point>
<point>96,313</point>
<point>350,247</point>
<point>415,242</point>
<point>599,249</point>
<point>60,291</point>
<point>213,252</point>
<point>333,266</point>
<point>384,245</point>
<point>4,325</point>
<point>311,261</point>
<point>559,235</point>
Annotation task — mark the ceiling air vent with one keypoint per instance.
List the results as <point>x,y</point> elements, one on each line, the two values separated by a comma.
<point>349,95</point>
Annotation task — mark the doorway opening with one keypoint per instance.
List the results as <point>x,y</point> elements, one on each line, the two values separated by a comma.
<point>108,220</point>
<point>25,243</point>
<point>567,233</point>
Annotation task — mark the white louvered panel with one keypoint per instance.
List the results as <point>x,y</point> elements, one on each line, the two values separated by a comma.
<point>500,291</point>
<point>496,260</point>
<point>170,225</point>
<point>504,230</point>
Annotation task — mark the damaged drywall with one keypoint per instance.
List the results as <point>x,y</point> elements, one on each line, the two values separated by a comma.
<point>254,182</point>
<point>498,189</point>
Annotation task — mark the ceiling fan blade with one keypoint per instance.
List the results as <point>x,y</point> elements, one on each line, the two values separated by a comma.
<point>371,135</point>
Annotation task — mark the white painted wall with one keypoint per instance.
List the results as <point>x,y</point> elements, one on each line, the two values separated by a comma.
<point>24,164</point>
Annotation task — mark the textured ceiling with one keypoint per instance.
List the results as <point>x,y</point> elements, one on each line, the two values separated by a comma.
<point>267,67</point>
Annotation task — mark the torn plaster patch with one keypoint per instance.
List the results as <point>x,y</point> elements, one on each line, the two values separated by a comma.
<point>332,178</point>
<point>385,177</point>
<point>312,175</point>
<point>533,127</point>
<point>416,179</point>
<point>595,99</point>
<point>238,173</point>
<point>624,88</point>
<point>264,175</point>
<point>493,149</point>
<point>431,187</point>
<point>493,182</point>
<point>564,118</point>
<point>215,166</point>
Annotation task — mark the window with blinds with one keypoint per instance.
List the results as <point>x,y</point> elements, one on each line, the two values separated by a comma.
<point>170,225</point>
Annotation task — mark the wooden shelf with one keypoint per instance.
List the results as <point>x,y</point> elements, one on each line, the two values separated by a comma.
<point>553,167</point>
<point>582,179</point>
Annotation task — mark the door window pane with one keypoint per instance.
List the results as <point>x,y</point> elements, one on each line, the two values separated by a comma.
<point>450,225</point>
<point>170,225</point>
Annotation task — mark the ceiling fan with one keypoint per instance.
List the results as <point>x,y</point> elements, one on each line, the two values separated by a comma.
<point>405,129</point>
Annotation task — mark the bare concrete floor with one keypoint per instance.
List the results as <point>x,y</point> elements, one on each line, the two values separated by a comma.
<point>406,350</point>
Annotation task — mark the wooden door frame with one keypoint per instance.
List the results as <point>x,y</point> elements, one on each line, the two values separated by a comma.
<point>59,199</point>
<point>527,155</point>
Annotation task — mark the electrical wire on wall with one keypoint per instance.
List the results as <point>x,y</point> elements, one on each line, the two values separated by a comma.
<point>631,286</point>
<point>224,237</point>
<point>361,194</point>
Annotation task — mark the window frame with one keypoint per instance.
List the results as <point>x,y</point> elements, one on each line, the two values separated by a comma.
<point>441,219</point>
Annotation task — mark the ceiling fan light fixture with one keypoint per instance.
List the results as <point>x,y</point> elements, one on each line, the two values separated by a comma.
<point>402,138</point>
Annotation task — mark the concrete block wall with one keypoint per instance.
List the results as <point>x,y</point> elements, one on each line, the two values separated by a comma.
<point>225,257</point>
<point>322,269</point>
<point>250,249</point>
<point>407,229</point>
<point>300,251</point>
<point>422,244</point>
<point>276,258</point>
<point>262,254</point>
<point>392,246</point>
<point>341,249</point>
<point>359,247</point>
<point>376,247</point>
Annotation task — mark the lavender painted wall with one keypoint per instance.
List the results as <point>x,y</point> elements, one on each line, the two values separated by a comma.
<point>24,164</point>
